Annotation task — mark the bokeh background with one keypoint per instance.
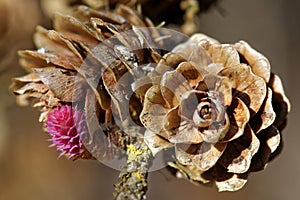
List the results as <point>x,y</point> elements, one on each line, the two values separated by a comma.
<point>30,171</point>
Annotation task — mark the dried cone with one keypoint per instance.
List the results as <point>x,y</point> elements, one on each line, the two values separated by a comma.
<point>183,16</point>
<point>77,64</point>
<point>50,7</point>
<point>220,106</point>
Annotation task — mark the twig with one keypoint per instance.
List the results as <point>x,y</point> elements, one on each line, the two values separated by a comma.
<point>132,183</point>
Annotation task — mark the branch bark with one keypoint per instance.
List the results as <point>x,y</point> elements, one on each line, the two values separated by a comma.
<point>132,183</point>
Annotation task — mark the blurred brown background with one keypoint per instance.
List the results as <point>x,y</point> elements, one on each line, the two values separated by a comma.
<point>29,170</point>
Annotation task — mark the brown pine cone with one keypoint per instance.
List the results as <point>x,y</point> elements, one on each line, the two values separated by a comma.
<point>183,16</point>
<point>50,7</point>
<point>79,63</point>
<point>220,107</point>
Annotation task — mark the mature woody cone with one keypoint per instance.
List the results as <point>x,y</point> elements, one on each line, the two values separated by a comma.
<point>220,107</point>
<point>50,7</point>
<point>183,16</point>
<point>77,62</point>
<point>157,10</point>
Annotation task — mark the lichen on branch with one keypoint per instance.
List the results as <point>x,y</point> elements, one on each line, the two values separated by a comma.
<point>132,182</point>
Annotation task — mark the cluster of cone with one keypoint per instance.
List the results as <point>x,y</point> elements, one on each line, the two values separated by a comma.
<point>218,105</point>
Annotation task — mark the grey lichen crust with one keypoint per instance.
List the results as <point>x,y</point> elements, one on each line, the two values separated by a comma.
<point>132,183</point>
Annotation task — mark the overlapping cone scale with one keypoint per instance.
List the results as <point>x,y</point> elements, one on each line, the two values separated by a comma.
<point>80,62</point>
<point>221,108</point>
